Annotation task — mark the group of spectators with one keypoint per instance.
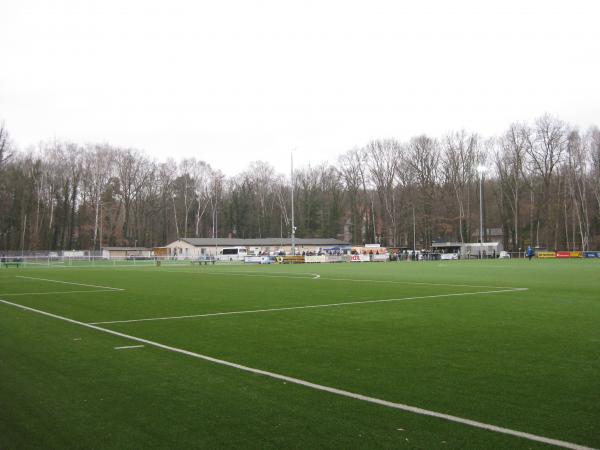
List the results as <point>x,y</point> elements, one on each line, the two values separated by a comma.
<point>309,253</point>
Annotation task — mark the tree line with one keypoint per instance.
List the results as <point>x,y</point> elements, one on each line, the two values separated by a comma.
<point>540,187</point>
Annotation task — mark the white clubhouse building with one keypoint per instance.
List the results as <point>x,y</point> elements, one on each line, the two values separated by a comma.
<point>196,247</point>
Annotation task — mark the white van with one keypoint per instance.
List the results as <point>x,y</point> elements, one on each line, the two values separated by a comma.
<point>232,254</point>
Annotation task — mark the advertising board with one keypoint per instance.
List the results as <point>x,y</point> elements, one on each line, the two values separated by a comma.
<point>381,257</point>
<point>359,258</point>
<point>449,256</point>
<point>315,259</point>
<point>257,260</point>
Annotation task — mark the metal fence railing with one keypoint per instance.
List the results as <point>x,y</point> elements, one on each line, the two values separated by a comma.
<point>92,259</point>
<point>58,261</point>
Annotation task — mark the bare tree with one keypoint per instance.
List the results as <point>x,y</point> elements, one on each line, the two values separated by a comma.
<point>6,148</point>
<point>509,162</point>
<point>186,184</point>
<point>216,190</point>
<point>100,163</point>
<point>201,176</point>
<point>260,177</point>
<point>577,184</point>
<point>167,172</point>
<point>545,152</point>
<point>59,195</point>
<point>133,170</point>
<point>461,153</point>
<point>382,160</point>
<point>352,167</point>
<point>593,149</point>
<point>424,158</point>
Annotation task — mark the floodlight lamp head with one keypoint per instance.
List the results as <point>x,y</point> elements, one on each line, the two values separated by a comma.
<point>481,168</point>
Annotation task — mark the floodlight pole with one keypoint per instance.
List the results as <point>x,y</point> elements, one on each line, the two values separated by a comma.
<point>480,208</point>
<point>215,219</point>
<point>481,170</point>
<point>293,227</point>
<point>414,233</point>
<point>23,236</point>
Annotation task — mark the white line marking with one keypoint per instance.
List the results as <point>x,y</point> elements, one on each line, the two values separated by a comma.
<point>312,276</point>
<point>357,280</point>
<point>72,283</point>
<point>104,266</point>
<point>127,347</point>
<point>12,294</point>
<point>360,280</point>
<point>320,387</point>
<point>289,308</point>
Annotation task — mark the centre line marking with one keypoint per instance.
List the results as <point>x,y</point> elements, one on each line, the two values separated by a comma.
<point>316,276</point>
<point>319,387</point>
<point>127,347</point>
<point>70,282</point>
<point>12,294</point>
<point>289,308</point>
<point>312,276</point>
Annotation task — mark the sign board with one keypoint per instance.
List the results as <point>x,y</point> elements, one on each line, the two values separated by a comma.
<point>257,260</point>
<point>546,254</point>
<point>565,254</point>
<point>380,257</point>
<point>315,259</point>
<point>360,258</point>
<point>449,256</point>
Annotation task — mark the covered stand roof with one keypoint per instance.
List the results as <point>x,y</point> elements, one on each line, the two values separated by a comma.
<point>263,242</point>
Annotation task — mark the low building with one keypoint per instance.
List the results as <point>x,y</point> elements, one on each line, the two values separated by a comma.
<point>196,247</point>
<point>126,252</point>
<point>469,250</point>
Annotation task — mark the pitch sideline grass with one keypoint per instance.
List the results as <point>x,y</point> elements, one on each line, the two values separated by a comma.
<point>387,267</point>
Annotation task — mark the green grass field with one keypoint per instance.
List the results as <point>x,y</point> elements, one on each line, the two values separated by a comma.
<point>513,344</point>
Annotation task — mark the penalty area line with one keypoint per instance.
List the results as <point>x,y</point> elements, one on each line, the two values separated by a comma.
<point>209,272</point>
<point>71,283</point>
<point>316,276</point>
<point>12,294</point>
<point>319,387</point>
<point>291,308</point>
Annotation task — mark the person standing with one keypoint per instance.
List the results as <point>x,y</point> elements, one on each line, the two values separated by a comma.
<point>529,252</point>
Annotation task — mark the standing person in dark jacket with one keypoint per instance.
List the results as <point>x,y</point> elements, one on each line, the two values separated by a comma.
<point>529,253</point>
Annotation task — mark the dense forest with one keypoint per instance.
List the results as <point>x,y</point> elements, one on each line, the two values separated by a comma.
<point>541,187</point>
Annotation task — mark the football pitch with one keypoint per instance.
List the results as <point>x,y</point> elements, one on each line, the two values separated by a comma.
<point>449,354</point>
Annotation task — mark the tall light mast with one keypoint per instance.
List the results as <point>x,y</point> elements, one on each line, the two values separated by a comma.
<point>293,226</point>
<point>481,169</point>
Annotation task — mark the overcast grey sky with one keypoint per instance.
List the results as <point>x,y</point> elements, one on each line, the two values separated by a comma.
<point>235,81</point>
